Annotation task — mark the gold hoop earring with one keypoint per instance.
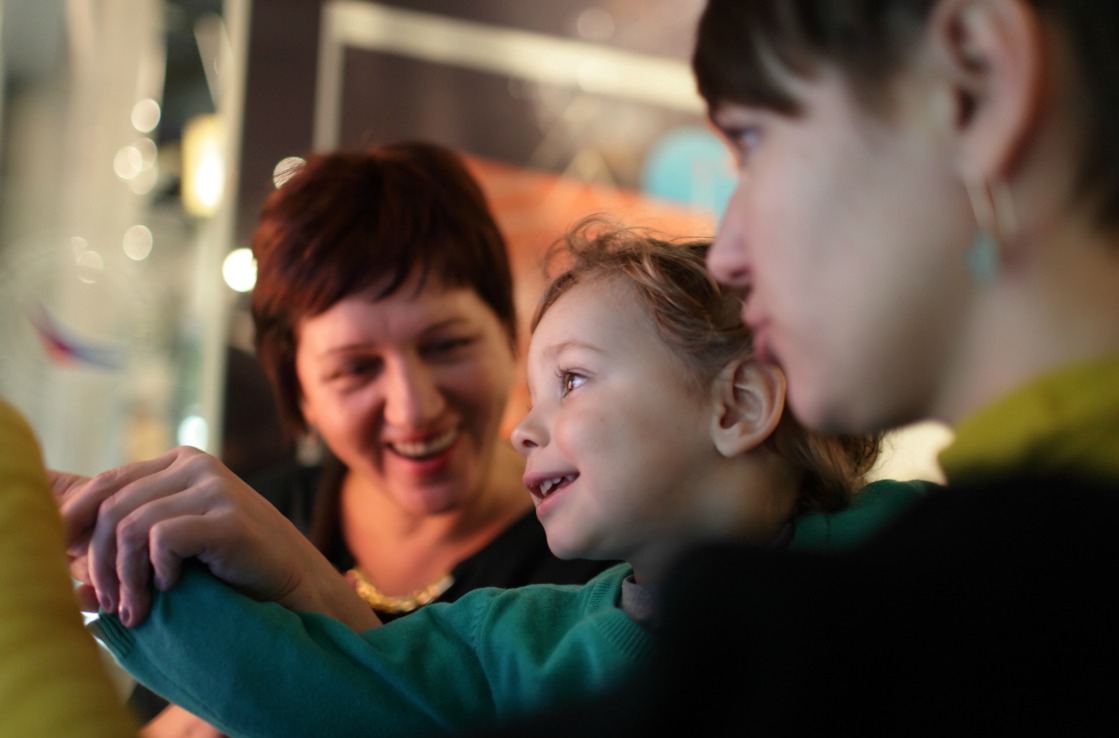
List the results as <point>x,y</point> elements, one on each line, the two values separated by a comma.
<point>995,221</point>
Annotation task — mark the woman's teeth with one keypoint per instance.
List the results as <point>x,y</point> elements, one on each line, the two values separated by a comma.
<point>423,449</point>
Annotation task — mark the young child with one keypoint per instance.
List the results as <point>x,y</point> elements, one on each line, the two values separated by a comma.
<point>652,427</point>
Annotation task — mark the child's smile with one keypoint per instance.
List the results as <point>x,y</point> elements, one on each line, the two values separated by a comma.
<point>615,424</point>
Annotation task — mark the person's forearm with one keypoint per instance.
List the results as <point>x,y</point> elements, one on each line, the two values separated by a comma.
<point>324,590</point>
<point>204,642</point>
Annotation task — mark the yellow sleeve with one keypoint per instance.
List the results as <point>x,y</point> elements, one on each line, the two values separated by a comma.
<point>52,680</point>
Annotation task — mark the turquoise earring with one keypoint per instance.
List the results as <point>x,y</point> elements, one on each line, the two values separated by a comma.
<point>982,258</point>
<point>994,221</point>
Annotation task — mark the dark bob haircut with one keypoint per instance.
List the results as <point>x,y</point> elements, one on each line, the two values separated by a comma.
<point>361,223</point>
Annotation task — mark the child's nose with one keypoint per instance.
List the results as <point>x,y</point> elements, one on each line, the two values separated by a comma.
<point>525,435</point>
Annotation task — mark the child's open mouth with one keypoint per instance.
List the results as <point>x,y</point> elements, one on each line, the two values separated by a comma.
<point>548,486</point>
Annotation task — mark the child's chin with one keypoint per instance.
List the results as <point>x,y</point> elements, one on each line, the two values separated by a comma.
<point>565,549</point>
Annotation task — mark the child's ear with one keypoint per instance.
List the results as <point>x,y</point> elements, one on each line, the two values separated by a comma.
<point>749,398</point>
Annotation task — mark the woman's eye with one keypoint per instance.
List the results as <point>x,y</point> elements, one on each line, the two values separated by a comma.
<point>744,140</point>
<point>367,366</point>
<point>357,369</point>
<point>447,347</point>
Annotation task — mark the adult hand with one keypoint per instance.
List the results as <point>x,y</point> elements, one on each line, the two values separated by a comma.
<point>134,525</point>
<point>175,722</point>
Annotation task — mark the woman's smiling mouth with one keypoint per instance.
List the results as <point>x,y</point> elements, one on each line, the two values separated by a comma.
<point>420,450</point>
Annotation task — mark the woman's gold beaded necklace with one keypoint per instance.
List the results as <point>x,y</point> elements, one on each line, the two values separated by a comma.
<point>382,602</point>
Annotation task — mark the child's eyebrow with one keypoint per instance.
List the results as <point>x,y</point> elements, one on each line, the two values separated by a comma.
<point>555,349</point>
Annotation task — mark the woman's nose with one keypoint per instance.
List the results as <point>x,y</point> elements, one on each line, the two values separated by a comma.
<point>727,262</point>
<point>727,259</point>
<point>412,395</point>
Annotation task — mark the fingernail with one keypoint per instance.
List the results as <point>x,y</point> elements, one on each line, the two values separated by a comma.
<point>106,603</point>
<point>126,616</point>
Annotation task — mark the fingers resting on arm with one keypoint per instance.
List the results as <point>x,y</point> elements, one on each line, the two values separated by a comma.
<point>132,527</point>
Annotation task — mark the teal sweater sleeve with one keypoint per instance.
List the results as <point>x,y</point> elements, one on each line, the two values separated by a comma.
<point>258,669</point>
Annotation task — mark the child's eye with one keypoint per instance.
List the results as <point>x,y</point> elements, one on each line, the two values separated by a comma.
<point>570,381</point>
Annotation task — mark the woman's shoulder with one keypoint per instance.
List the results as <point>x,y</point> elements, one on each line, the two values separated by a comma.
<point>279,478</point>
<point>873,508</point>
<point>291,487</point>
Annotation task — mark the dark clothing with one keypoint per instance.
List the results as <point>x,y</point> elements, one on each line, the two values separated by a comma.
<point>986,608</point>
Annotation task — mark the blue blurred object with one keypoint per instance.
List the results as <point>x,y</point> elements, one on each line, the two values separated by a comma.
<point>692,166</point>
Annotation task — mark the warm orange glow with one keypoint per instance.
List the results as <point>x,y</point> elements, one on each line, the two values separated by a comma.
<point>533,208</point>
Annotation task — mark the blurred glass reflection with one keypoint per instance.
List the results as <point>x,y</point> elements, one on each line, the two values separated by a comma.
<point>145,115</point>
<point>137,242</point>
<point>239,270</point>
<point>203,165</point>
